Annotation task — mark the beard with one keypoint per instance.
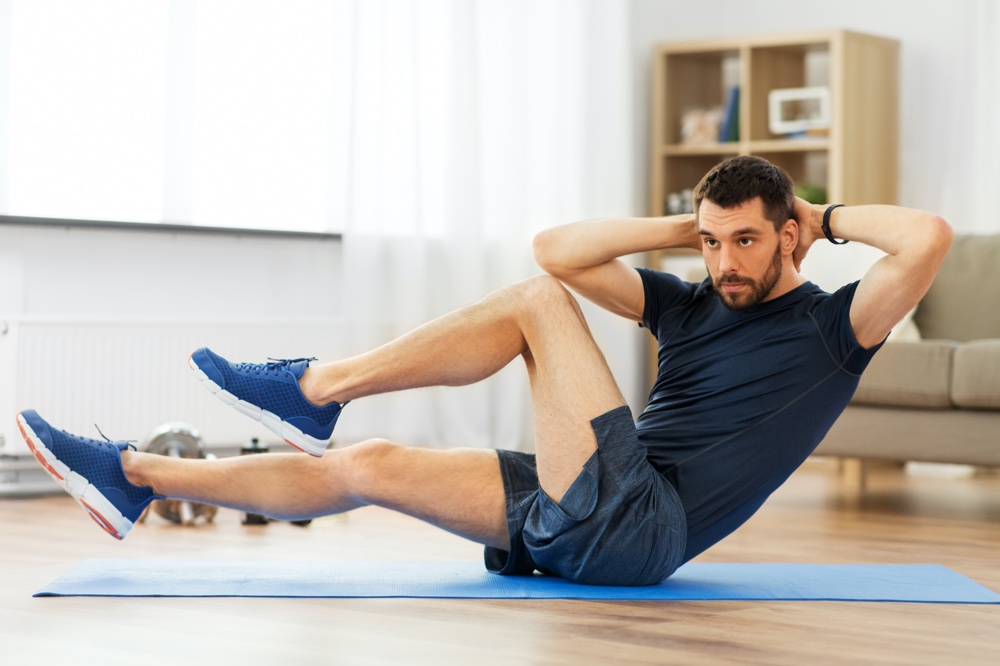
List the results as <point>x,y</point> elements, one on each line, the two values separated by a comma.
<point>758,289</point>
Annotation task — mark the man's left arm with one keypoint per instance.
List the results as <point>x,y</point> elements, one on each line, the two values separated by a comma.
<point>915,243</point>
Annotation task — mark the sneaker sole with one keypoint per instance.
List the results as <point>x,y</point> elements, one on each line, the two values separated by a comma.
<point>286,431</point>
<point>90,498</point>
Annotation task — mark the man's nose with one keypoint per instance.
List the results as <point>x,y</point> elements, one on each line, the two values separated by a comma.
<point>728,261</point>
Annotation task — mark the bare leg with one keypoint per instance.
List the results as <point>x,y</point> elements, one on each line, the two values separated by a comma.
<point>537,319</point>
<point>458,490</point>
<point>461,491</point>
<point>459,348</point>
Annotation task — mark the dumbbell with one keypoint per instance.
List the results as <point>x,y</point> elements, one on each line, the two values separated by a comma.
<point>179,440</point>
<point>253,448</point>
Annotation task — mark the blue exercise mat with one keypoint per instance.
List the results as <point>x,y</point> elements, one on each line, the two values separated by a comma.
<point>468,580</point>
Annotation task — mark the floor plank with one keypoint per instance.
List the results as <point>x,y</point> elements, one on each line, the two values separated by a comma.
<point>900,519</point>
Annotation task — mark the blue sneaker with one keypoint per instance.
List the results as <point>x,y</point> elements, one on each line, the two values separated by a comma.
<point>91,471</point>
<point>270,393</point>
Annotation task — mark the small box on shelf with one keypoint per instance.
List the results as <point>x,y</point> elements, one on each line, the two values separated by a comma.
<point>796,111</point>
<point>700,126</point>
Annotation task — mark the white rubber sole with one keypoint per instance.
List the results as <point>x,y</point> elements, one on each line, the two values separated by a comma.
<point>90,498</point>
<point>287,432</point>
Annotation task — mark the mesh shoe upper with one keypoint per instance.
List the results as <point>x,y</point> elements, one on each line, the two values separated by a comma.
<point>99,462</point>
<point>270,386</point>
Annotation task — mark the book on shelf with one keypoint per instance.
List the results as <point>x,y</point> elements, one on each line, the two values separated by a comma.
<point>729,130</point>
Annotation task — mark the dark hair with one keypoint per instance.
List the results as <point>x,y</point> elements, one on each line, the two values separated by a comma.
<point>741,179</point>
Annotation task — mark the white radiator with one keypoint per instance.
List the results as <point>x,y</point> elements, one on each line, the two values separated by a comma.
<point>130,376</point>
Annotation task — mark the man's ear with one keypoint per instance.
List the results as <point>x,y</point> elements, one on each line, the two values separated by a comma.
<point>789,236</point>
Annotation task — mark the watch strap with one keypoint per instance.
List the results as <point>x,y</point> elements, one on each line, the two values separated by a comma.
<point>826,225</point>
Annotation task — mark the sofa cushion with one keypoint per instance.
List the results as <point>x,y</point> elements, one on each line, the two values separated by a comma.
<point>962,302</point>
<point>975,380</point>
<point>909,374</point>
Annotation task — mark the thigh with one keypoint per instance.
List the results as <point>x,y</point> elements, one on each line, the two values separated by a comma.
<point>571,384</point>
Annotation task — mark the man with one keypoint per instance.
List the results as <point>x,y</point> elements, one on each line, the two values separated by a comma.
<point>755,365</point>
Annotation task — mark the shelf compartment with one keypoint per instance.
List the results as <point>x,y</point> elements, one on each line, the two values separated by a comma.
<point>695,81</point>
<point>782,66</point>
<point>804,167</point>
<point>685,173</point>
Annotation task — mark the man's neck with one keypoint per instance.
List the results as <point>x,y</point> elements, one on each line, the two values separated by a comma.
<point>790,280</point>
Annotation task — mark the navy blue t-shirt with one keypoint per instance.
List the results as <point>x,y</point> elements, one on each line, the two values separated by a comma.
<point>742,398</point>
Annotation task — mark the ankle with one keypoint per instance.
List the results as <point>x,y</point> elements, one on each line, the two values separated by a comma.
<point>314,389</point>
<point>133,468</point>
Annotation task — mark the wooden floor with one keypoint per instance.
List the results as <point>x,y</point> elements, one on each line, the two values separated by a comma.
<point>899,520</point>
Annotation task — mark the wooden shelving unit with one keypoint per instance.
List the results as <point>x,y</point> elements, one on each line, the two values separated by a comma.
<point>856,161</point>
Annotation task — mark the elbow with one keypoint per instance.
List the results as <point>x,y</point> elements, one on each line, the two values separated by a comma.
<point>929,237</point>
<point>939,236</point>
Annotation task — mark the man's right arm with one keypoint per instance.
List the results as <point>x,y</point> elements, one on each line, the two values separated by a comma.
<point>585,256</point>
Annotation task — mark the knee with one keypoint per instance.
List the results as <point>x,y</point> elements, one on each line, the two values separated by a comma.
<point>365,464</point>
<point>544,292</point>
<point>369,454</point>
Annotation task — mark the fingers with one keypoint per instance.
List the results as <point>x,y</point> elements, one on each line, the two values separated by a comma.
<point>802,211</point>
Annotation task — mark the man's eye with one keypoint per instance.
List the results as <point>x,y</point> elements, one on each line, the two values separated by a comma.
<point>746,242</point>
<point>711,242</point>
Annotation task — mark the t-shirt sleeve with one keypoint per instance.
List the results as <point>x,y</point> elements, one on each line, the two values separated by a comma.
<point>663,292</point>
<point>833,317</point>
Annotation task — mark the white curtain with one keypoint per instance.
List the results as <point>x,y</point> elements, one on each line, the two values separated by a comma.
<point>464,128</point>
<point>984,216</point>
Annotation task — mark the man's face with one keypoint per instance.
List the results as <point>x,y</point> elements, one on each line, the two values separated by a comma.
<point>742,252</point>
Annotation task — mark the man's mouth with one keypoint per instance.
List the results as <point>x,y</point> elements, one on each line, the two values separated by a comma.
<point>733,284</point>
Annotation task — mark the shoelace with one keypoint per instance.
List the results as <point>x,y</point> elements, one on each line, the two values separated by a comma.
<point>273,366</point>
<point>129,443</point>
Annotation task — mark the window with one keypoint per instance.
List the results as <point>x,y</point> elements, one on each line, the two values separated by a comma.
<point>214,113</point>
<point>86,106</point>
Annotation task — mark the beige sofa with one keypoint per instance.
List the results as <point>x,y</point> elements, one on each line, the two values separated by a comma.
<point>936,399</point>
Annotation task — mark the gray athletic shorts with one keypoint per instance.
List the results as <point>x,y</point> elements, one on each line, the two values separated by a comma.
<point>620,523</point>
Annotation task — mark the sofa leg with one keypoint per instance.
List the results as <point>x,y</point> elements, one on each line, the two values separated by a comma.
<point>852,475</point>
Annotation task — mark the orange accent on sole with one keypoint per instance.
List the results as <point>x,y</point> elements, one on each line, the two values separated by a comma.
<point>295,446</point>
<point>299,448</point>
<point>91,511</point>
<point>100,520</point>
